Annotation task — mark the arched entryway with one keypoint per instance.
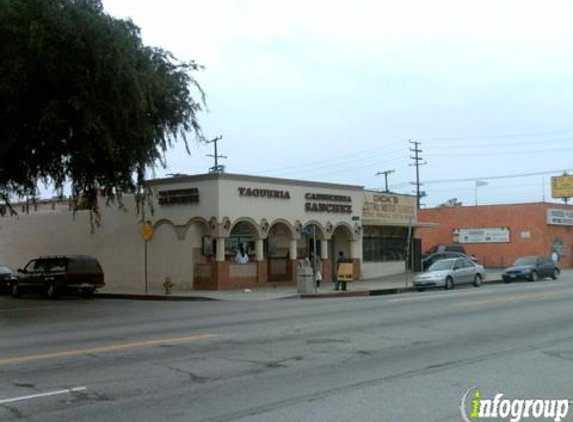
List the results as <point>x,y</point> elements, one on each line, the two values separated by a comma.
<point>280,267</point>
<point>344,241</point>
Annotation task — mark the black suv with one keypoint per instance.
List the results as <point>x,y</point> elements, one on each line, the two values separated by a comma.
<point>59,274</point>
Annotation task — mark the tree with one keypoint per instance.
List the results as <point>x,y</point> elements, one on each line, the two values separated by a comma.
<point>451,203</point>
<point>84,103</point>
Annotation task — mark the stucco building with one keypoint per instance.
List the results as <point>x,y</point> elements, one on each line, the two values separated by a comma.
<point>194,226</point>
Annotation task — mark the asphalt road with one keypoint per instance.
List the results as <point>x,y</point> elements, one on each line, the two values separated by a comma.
<point>407,357</point>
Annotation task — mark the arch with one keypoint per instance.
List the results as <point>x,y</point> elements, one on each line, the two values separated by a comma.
<point>258,234</point>
<point>195,220</point>
<point>164,222</point>
<point>288,224</point>
<point>321,228</point>
<point>345,227</point>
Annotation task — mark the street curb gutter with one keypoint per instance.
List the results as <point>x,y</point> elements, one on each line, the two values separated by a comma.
<point>155,297</point>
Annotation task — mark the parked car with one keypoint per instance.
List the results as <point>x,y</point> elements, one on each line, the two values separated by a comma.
<point>7,276</point>
<point>449,272</point>
<point>454,247</point>
<point>531,268</point>
<point>54,275</point>
<point>430,259</point>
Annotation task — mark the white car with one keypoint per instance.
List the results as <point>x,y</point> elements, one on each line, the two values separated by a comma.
<point>449,272</point>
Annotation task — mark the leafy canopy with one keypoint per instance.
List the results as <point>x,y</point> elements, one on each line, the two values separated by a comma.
<point>84,102</point>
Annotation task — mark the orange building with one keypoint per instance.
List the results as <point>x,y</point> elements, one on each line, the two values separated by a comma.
<point>498,234</point>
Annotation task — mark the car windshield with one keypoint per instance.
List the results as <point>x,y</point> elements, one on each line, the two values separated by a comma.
<point>445,264</point>
<point>528,260</point>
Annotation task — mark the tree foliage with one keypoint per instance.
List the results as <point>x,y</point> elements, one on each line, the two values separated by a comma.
<point>84,102</point>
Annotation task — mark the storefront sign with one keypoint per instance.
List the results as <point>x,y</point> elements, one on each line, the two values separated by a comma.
<point>323,203</point>
<point>386,208</point>
<point>484,235</point>
<point>562,186</point>
<point>179,196</point>
<point>560,217</point>
<point>264,193</point>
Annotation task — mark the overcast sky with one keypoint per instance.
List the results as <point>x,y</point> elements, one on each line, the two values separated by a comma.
<point>333,91</point>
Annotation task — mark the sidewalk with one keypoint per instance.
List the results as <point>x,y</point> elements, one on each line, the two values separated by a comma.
<point>399,283</point>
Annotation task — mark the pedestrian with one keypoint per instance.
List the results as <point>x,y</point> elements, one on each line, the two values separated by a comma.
<point>555,256</point>
<point>317,271</point>
<point>340,284</point>
<point>241,257</point>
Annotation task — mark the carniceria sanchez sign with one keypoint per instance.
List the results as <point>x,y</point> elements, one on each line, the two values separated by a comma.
<point>336,204</point>
<point>264,193</point>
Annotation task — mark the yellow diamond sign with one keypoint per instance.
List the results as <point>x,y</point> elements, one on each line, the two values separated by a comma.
<point>146,231</point>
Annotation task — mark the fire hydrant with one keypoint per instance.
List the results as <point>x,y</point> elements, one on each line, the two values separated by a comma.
<point>168,285</point>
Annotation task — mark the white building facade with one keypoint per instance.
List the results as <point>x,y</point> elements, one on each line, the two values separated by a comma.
<point>194,226</point>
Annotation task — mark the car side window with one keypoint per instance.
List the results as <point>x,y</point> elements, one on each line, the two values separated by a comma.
<point>55,265</point>
<point>31,266</point>
<point>77,266</point>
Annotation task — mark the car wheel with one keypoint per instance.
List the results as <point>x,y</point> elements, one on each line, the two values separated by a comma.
<point>15,290</point>
<point>534,276</point>
<point>88,293</point>
<point>420,289</point>
<point>555,274</point>
<point>449,283</point>
<point>477,280</point>
<point>51,291</point>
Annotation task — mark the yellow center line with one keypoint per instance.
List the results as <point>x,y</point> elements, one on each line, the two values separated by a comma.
<point>514,298</point>
<point>108,348</point>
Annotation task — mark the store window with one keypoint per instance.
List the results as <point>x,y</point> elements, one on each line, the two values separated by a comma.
<point>384,244</point>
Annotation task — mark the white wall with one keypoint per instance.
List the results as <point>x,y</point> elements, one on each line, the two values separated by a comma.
<point>380,269</point>
<point>116,243</point>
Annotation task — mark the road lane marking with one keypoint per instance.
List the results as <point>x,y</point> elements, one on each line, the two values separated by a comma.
<point>514,298</point>
<point>27,309</point>
<point>40,395</point>
<point>109,348</point>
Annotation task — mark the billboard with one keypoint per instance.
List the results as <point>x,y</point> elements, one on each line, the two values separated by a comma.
<point>560,217</point>
<point>483,235</point>
<point>562,186</point>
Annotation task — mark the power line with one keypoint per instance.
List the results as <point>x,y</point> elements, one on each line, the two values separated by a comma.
<point>496,153</point>
<point>506,176</point>
<point>443,145</point>
<point>498,136</point>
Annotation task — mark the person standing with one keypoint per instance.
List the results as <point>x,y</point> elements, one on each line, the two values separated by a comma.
<point>340,284</point>
<point>242,257</point>
<point>317,262</point>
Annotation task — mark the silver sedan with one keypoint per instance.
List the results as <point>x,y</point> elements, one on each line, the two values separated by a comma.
<point>449,272</point>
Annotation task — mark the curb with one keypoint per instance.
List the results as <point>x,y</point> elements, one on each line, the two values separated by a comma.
<point>329,295</point>
<point>155,297</point>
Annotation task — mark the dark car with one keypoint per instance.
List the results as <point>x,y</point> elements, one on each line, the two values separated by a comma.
<point>435,257</point>
<point>531,268</point>
<point>7,276</point>
<point>54,275</point>
<point>455,247</point>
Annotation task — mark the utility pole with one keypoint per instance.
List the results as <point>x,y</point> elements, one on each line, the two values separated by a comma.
<point>385,173</point>
<point>417,163</point>
<point>216,168</point>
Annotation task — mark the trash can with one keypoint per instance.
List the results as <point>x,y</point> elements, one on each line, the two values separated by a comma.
<point>304,277</point>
